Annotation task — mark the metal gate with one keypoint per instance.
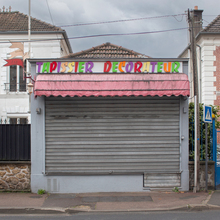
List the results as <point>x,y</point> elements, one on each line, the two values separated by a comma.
<point>112,135</point>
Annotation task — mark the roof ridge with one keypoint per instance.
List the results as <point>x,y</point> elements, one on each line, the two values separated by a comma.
<point>211,24</point>
<point>107,51</point>
<point>8,12</point>
<point>51,25</point>
<point>11,23</point>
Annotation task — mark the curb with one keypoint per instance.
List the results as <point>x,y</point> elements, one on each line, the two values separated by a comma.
<point>181,208</point>
<point>59,211</point>
<point>13,211</point>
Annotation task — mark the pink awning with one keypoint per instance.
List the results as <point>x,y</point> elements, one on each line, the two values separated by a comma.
<point>111,85</point>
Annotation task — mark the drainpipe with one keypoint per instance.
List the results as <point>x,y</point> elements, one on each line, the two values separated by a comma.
<point>28,69</point>
<point>195,149</point>
<point>200,73</point>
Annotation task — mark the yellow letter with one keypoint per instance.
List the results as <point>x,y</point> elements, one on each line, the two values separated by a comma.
<point>146,67</point>
<point>70,65</point>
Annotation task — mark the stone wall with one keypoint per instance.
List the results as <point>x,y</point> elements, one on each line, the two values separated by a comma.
<point>202,182</point>
<point>15,177</point>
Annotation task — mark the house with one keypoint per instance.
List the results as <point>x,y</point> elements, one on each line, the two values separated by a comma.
<point>46,41</point>
<point>208,60</point>
<point>109,119</point>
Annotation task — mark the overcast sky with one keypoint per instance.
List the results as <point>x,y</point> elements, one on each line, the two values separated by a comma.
<point>161,44</point>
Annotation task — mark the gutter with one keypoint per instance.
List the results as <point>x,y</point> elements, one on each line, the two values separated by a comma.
<point>34,60</point>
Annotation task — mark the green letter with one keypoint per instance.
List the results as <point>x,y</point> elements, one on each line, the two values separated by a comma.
<point>46,67</point>
<point>114,67</point>
<point>159,67</point>
<point>81,67</point>
<point>175,69</point>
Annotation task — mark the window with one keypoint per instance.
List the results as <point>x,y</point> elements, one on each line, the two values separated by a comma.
<point>17,81</point>
<point>18,121</point>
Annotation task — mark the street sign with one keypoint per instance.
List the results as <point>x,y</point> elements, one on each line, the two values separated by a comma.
<point>207,114</point>
<point>207,118</point>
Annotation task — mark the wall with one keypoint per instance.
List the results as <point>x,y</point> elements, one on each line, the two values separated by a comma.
<point>207,75</point>
<point>202,182</point>
<point>15,177</point>
<point>206,62</point>
<point>217,83</point>
<point>16,104</point>
<point>91,183</point>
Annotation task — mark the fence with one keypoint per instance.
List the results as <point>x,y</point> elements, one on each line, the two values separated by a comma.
<point>15,142</point>
<point>210,130</point>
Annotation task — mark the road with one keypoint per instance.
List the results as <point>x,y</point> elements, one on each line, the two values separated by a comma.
<point>202,215</point>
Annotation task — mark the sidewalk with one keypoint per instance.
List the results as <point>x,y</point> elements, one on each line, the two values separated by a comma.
<point>29,203</point>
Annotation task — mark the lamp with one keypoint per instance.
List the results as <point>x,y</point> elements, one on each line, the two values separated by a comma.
<point>30,87</point>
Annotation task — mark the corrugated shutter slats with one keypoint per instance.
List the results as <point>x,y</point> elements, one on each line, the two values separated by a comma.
<point>112,134</point>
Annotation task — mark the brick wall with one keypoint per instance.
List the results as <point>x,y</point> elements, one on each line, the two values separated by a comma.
<point>217,83</point>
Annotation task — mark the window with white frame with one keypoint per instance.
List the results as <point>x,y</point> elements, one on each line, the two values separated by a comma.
<point>17,82</point>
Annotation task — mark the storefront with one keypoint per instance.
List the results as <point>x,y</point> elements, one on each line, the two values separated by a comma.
<point>109,125</point>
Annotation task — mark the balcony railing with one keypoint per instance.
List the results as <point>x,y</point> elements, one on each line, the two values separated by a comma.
<point>15,87</point>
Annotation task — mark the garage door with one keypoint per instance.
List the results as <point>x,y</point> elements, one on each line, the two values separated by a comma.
<point>112,135</point>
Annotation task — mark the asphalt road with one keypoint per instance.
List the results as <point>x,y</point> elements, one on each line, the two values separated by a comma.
<point>202,215</point>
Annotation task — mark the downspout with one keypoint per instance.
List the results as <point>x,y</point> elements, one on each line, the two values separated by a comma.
<point>28,69</point>
<point>200,73</point>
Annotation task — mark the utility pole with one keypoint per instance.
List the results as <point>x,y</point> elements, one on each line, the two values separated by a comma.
<point>29,29</point>
<point>196,100</point>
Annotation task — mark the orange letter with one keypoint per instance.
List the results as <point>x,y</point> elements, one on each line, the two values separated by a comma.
<point>121,64</point>
<point>169,67</point>
<point>63,65</point>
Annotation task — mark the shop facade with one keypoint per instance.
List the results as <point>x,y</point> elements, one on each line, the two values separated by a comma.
<point>109,125</point>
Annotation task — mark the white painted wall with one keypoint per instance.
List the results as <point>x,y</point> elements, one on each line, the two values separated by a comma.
<point>16,104</point>
<point>206,68</point>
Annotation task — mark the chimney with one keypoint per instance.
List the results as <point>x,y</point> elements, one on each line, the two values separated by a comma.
<point>197,15</point>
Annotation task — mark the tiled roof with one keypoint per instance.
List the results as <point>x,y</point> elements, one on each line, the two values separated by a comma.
<point>16,21</point>
<point>213,27</point>
<point>107,50</point>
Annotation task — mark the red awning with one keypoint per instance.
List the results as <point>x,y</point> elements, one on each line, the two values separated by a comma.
<point>111,85</point>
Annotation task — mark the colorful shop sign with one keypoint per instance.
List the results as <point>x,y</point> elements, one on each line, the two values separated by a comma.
<point>109,67</point>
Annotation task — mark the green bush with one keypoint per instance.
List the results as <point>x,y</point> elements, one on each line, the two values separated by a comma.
<point>41,191</point>
<point>215,110</point>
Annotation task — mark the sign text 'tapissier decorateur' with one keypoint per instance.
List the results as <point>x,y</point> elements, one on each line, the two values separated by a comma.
<point>109,67</point>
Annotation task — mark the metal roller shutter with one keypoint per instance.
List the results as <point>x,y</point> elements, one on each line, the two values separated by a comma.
<point>118,135</point>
